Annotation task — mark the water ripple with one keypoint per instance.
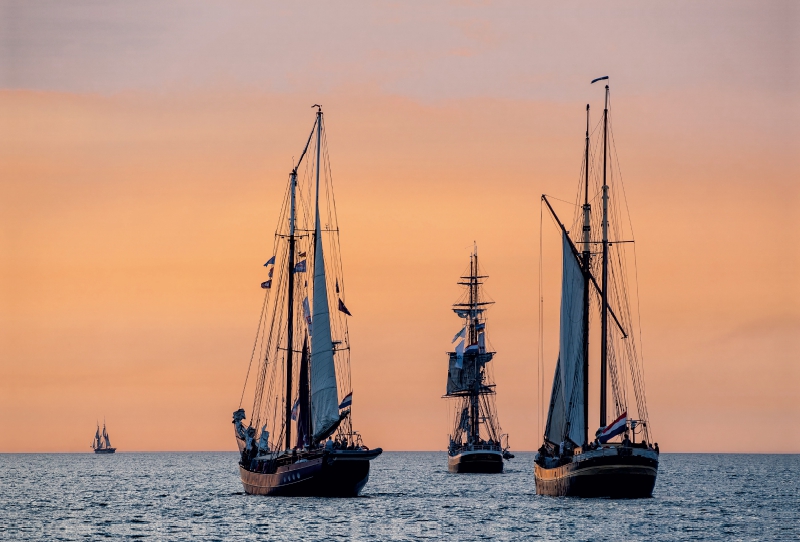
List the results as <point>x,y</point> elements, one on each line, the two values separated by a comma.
<point>410,496</point>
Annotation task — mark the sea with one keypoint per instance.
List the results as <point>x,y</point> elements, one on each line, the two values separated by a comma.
<point>410,496</point>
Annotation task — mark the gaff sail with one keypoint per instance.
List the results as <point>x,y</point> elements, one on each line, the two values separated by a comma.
<point>565,416</point>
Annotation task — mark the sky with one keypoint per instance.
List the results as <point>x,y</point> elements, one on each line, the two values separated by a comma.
<point>144,154</point>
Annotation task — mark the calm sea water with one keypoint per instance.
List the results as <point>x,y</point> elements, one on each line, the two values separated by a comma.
<point>410,495</point>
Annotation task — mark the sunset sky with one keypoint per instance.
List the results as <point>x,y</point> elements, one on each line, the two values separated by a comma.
<point>144,153</point>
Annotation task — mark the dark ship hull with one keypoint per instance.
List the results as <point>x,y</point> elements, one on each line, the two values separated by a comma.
<point>629,474</point>
<point>105,450</point>
<point>479,461</point>
<point>336,473</point>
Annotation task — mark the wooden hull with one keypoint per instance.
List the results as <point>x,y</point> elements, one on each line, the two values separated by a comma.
<point>627,475</point>
<point>479,461</point>
<point>105,450</point>
<point>341,473</point>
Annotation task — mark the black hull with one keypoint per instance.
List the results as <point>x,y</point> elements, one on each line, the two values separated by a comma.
<point>105,450</point>
<point>334,474</point>
<point>614,476</point>
<point>487,462</point>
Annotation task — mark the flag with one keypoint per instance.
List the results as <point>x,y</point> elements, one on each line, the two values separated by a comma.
<point>343,308</point>
<point>613,429</point>
<point>347,401</point>
<point>271,261</point>
<point>459,334</point>
<point>267,284</point>
<point>296,409</point>
<point>271,269</point>
<point>337,286</point>
<point>598,79</point>
<point>300,267</point>
<point>302,255</point>
<point>460,355</point>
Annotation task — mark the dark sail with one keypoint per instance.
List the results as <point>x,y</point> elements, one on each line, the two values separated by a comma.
<point>304,406</point>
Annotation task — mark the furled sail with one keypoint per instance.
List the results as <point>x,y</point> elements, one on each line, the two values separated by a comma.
<point>565,417</point>
<point>324,395</point>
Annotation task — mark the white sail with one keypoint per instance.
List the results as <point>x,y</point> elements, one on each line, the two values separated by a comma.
<point>324,394</point>
<point>565,417</point>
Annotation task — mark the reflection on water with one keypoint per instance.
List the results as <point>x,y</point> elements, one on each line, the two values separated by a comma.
<point>410,495</point>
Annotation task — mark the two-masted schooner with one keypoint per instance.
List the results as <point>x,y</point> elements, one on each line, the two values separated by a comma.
<point>101,444</point>
<point>476,440</point>
<point>299,440</point>
<point>594,278</point>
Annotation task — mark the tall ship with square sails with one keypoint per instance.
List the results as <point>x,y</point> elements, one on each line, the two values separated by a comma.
<point>476,441</point>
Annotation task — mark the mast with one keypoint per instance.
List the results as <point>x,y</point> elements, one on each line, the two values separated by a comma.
<point>604,300</point>
<point>473,318</point>
<point>324,392</point>
<point>586,273</point>
<point>290,315</point>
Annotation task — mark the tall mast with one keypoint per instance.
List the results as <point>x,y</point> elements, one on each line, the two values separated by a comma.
<point>290,314</point>
<point>604,301</point>
<point>473,317</point>
<point>586,271</point>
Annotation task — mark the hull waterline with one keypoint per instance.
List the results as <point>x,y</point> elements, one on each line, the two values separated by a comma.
<point>479,461</point>
<point>622,476</point>
<point>333,474</point>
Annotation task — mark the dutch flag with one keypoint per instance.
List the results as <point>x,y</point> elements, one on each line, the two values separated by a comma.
<point>347,401</point>
<point>614,428</point>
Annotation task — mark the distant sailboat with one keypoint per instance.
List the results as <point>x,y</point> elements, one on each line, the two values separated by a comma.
<point>101,443</point>
<point>300,439</point>
<point>569,463</point>
<point>475,441</point>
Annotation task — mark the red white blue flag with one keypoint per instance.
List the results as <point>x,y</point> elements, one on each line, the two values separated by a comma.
<point>347,401</point>
<point>614,428</point>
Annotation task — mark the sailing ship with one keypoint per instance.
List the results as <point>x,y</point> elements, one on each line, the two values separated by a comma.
<point>613,463</point>
<point>101,443</point>
<point>299,440</point>
<point>476,441</point>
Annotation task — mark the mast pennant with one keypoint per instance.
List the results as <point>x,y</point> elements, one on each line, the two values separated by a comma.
<point>598,79</point>
<point>343,308</point>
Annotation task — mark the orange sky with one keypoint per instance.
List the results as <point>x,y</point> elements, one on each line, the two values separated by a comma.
<point>136,217</point>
